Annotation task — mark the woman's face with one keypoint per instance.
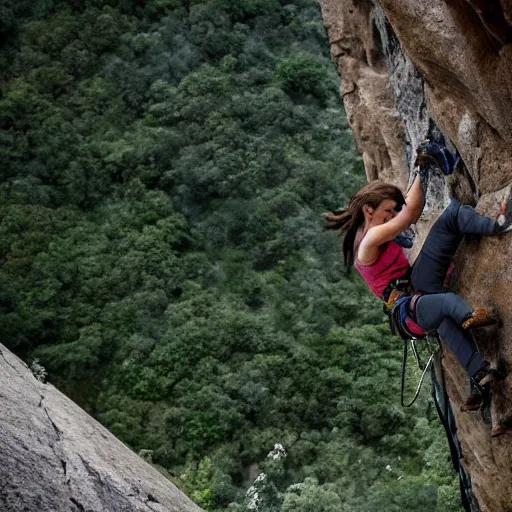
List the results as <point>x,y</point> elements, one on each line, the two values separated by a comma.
<point>386,210</point>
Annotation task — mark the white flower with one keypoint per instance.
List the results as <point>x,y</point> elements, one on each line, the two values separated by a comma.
<point>295,487</point>
<point>252,494</point>
<point>260,478</point>
<point>253,498</point>
<point>277,453</point>
<point>388,468</point>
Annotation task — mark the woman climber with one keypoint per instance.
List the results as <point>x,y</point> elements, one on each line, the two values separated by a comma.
<point>371,226</point>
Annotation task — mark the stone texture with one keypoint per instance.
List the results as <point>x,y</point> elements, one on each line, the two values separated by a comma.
<point>55,458</point>
<point>443,68</point>
<point>365,88</point>
<point>462,63</point>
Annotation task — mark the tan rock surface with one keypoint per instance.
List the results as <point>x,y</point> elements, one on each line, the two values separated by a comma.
<point>55,458</point>
<point>411,67</point>
<point>365,89</point>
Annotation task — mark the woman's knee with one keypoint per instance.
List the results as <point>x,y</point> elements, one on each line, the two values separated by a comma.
<point>450,300</point>
<point>465,216</point>
<point>455,307</point>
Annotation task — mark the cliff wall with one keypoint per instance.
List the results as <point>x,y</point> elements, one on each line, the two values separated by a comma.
<point>55,457</point>
<point>443,69</point>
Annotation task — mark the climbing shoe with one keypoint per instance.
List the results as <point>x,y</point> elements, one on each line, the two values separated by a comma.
<point>433,153</point>
<point>482,384</point>
<point>480,318</point>
<point>481,389</point>
<point>504,222</point>
<point>503,427</point>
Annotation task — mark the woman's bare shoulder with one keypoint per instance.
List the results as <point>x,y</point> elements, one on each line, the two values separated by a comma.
<point>365,253</point>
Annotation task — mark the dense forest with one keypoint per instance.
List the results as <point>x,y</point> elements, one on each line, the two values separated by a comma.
<point>165,165</point>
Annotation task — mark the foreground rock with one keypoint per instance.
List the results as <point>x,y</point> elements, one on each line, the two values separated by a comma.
<point>411,69</point>
<point>55,458</point>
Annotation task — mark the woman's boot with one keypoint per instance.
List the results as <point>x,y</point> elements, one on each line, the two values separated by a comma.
<point>482,384</point>
<point>480,317</point>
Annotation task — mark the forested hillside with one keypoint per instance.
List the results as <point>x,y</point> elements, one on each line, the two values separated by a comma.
<point>164,167</point>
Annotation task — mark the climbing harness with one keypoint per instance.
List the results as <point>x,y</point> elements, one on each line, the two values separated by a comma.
<point>400,306</point>
<point>395,289</point>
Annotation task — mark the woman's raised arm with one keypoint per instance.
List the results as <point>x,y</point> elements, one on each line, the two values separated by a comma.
<point>409,214</point>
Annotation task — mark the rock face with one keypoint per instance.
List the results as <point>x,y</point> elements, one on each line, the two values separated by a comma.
<point>55,458</point>
<point>411,69</point>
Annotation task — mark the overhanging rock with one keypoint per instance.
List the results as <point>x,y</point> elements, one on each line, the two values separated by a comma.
<point>411,69</point>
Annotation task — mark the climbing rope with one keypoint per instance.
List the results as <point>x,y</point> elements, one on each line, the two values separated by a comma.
<point>424,368</point>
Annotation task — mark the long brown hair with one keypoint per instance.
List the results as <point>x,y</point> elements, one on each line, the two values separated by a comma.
<point>348,220</point>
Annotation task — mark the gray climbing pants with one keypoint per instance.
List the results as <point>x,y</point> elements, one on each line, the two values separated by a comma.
<point>446,311</point>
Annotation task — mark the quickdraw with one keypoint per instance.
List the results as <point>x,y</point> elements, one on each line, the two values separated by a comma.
<point>433,346</point>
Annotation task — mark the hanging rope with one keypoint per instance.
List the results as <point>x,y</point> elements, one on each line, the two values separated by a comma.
<point>424,368</point>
